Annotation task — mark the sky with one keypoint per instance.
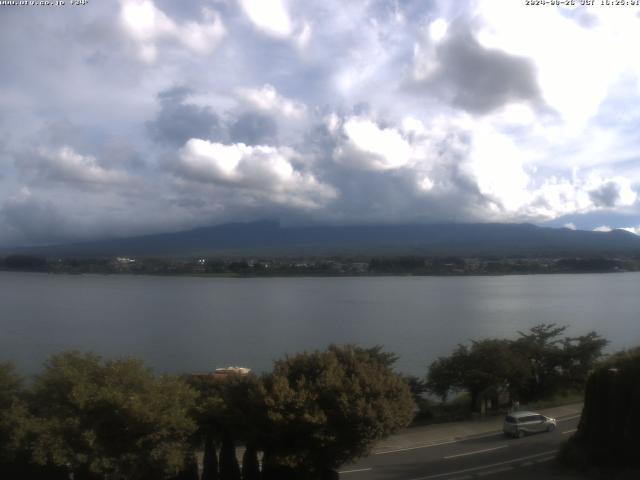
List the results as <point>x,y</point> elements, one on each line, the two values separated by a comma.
<point>128,117</point>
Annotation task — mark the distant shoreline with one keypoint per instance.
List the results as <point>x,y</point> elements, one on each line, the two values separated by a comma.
<point>309,275</point>
<point>314,266</point>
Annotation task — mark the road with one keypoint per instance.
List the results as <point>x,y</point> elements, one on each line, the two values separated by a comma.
<point>485,456</point>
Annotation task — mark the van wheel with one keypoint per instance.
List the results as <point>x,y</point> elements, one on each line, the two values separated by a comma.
<point>520,433</point>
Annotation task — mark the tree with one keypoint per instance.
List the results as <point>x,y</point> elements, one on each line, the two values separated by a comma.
<point>537,364</point>
<point>229,468</point>
<point>609,424</point>
<point>15,431</point>
<point>189,469</point>
<point>13,413</point>
<point>486,369</point>
<point>541,346</point>
<point>581,355</point>
<point>250,465</point>
<point>446,374</point>
<point>110,419</point>
<point>210,459</point>
<point>327,408</point>
<point>228,409</point>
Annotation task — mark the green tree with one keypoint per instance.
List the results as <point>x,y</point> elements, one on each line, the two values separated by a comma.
<point>189,469</point>
<point>111,419</point>
<point>541,345</point>
<point>327,408</point>
<point>580,356</point>
<point>483,370</point>
<point>537,364</point>
<point>14,418</point>
<point>229,409</point>
<point>446,374</point>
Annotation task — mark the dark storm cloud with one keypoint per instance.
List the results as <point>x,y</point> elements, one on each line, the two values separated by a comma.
<point>178,121</point>
<point>479,79</point>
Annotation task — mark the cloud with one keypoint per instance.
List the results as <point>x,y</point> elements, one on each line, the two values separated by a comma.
<point>380,111</point>
<point>27,217</point>
<point>147,25</point>
<point>177,121</point>
<point>267,99</point>
<point>270,16</point>
<point>253,128</point>
<point>66,165</point>
<point>363,144</point>
<point>634,230</point>
<point>455,66</point>
<point>603,228</point>
<point>570,226</point>
<point>612,193</point>
<point>263,170</point>
<point>508,26</point>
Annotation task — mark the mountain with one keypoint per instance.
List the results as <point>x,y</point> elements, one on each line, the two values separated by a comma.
<point>270,238</point>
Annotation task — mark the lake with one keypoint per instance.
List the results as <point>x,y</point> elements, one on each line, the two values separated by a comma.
<point>189,324</point>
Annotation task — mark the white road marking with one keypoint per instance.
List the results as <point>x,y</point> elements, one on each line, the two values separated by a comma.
<point>542,460</point>
<point>448,442</point>
<point>484,467</point>
<point>476,451</point>
<point>426,445</point>
<point>493,433</point>
<point>564,419</point>
<point>456,440</point>
<point>354,471</point>
<point>570,431</point>
<point>495,470</point>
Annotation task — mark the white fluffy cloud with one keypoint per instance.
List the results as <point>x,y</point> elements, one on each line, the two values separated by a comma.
<point>363,144</point>
<point>576,92</point>
<point>634,230</point>
<point>147,25</point>
<point>65,164</point>
<point>261,169</point>
<point>271,16</point>
<point>268,99</point>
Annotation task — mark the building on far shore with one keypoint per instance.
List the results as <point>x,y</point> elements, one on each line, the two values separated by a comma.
<point>226,372</point>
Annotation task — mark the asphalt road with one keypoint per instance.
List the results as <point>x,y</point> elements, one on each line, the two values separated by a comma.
<point>486,456</point>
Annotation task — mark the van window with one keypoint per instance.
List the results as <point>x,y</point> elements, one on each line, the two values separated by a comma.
<point>510,419</point>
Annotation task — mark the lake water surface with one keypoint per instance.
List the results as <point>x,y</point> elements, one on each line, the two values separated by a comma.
<point>180,324</point>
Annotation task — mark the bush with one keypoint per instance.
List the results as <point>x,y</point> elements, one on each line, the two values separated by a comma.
<point>610,422</point>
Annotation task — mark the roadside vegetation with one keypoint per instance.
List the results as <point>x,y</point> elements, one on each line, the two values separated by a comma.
<point>115,419</point>
<point>540,368</point>
<point>314,411</point>
<point>606,442</point>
